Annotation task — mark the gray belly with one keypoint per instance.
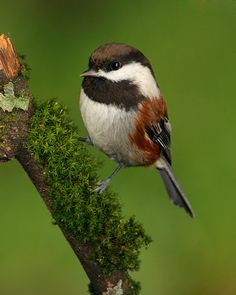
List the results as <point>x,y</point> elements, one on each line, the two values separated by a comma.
<point>109,128</point>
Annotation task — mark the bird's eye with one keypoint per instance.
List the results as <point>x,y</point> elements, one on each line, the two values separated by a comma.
<point>115,65</point>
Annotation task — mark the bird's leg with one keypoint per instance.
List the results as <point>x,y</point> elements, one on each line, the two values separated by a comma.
<point>86,140</point>
<point>104,184</point>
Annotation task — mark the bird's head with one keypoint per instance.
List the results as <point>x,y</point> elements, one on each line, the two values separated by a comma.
<point>121,63</point>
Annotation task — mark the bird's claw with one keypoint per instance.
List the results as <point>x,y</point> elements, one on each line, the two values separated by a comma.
<point>86,140</point>
<point>102,186</point>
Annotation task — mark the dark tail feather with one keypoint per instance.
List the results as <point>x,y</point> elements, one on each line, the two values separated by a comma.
<point>173,188</point>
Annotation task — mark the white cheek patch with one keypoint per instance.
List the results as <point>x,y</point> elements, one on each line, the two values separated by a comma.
<point>138,75</point>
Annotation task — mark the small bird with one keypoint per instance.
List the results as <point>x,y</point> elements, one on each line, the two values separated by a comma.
<point>126,115</point>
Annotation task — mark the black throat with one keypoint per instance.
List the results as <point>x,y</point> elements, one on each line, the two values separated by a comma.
<point>123,94</point>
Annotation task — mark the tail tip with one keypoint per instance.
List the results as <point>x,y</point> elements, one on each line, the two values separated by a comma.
<point>190,212</point>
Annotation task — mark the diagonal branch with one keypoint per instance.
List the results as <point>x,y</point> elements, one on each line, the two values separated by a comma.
<point>45,141</point>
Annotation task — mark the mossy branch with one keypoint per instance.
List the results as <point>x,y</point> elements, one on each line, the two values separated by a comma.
<point>45,141</point>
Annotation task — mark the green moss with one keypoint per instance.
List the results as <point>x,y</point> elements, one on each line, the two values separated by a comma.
<point>25,69</point>
<point>136,287</point>
<point>71,174</point>
<point>2,126</point>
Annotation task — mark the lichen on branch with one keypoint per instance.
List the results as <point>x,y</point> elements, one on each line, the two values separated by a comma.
<point>8,100</point>
<point>117,290</point>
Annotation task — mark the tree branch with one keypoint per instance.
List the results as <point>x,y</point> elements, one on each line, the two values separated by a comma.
<point>45,141</point>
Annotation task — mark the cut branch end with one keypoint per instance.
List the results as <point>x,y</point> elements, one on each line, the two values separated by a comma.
<point>9,62</point>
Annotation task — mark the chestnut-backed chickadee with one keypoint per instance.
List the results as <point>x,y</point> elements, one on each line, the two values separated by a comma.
<point>126,115</point>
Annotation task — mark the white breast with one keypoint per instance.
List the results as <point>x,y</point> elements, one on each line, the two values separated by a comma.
<point>108,127</point>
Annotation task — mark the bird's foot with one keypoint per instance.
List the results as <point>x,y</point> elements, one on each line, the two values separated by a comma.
<point>102,186</point>
<point>86,140</point>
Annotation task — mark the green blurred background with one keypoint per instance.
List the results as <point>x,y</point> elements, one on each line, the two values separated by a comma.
<point>192,46</point>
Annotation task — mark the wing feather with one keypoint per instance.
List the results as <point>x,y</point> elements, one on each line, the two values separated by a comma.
<point>159,133</point>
